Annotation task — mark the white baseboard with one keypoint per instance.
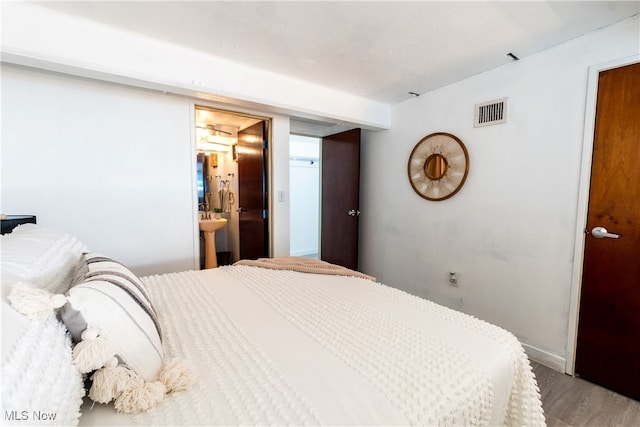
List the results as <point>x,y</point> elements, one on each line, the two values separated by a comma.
<point>545,358</point>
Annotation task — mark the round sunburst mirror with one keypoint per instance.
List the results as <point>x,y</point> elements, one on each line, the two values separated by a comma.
<point>438,166</point>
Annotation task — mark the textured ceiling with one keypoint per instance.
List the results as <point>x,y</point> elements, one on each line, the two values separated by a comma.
<point>379,50</point>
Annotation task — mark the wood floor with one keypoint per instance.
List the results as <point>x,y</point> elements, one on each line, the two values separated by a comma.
<point>569,401</point>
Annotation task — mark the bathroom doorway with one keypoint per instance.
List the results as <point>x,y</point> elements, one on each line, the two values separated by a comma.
<point>226,168</point>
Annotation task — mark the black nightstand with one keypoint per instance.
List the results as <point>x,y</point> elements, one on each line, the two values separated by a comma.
<point>12,221</point>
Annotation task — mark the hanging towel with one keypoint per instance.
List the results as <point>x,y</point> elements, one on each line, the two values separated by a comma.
<point>227,198</point>
<point>223,198</point>
<point>231,199</point>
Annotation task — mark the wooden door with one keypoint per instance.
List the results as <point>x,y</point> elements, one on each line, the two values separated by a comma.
<point>340,209</point>
<point>252,192</point>
<point>608,347</point>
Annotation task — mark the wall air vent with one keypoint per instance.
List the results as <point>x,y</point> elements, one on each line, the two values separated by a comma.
<point>491,113</point>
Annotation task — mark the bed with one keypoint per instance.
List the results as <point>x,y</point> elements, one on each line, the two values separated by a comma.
<point>269,345</point>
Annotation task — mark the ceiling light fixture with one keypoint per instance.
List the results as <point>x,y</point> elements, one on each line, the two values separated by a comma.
<point>211,128</point>
<point>218,134</point>
<point>206,146</point>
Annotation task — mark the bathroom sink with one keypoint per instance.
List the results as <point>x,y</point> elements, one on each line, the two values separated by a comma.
<point>209,227</point>
<point>213,224</point>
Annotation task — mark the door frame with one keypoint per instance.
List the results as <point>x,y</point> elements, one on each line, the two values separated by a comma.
<point>268,119</point>
<point>583,202</point>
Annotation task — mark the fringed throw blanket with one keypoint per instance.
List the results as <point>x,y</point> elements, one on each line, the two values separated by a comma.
<point>304,265</point>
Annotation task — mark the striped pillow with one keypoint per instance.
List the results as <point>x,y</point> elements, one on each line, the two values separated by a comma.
<point>107,297</point>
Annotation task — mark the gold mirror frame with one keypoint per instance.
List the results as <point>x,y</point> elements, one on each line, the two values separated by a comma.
<point>438,166</point>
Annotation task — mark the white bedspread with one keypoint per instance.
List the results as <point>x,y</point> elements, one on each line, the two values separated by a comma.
<point>286,348</point>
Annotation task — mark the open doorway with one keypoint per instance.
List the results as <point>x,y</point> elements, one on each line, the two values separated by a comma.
<point>232,152</point>
<point>304,188</point>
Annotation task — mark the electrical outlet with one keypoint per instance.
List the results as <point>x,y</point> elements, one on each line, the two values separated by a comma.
<point>453,279</point>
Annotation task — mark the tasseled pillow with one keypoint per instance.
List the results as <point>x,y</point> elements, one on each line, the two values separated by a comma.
<point>110,316</point>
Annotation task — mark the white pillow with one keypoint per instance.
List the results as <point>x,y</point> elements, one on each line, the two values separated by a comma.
<point>14,324</point>
<point>40,256</point>
<point>110,300</point>
<point>109,314</point>
<point>38,374</point>
<point>40,383</point>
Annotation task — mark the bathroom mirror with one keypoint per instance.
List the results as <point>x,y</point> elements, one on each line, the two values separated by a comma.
<point>202,178</point>
<point>438,166</point>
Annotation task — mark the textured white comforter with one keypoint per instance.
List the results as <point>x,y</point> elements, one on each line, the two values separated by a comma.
<point>286,348</point>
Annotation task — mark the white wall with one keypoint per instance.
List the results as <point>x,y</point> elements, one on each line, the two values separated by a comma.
<point>114,166</point>
<point>279,177</point>
<point>509,233</point>
<point>108,164</point>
